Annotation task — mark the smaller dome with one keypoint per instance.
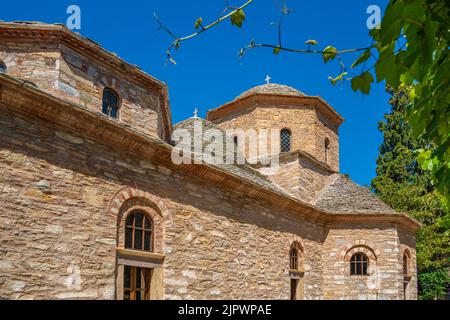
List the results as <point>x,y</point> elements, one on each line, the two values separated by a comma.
<point>272,88</point>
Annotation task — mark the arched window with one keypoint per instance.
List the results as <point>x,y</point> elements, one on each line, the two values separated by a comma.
<point>405,264</point>
<point>296,271</point>
<point>285,140</point>
<point>138,236</point>
<point>293,265</point>
<point>359,264</point>
<point>327,149</point>
<point>406,273</point>
<point>139,232</point>
<point>3,68</point>
<point>111,103</point>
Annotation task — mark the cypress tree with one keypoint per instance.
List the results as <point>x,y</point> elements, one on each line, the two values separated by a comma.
<point>402,184</point>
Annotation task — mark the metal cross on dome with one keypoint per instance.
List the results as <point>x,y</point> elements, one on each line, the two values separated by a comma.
<point>268,78</point>
<point>196,113</point>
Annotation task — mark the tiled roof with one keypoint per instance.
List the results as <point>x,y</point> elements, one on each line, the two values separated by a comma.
<point>272,88</point>
<point>242,170</point>
<point>342,195</point>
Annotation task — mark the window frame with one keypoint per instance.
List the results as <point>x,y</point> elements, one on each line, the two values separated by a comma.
<point>296,258</point>
<point>293,259</point>
<point>406,261</point>
<point>4,67</point>
<point>119,102</point>
<point>363,264</point>
<point>289,132</point>
<point>132,289</point>
<point>145,217</point>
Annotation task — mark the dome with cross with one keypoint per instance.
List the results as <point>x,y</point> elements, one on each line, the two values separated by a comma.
<point>272,88</point>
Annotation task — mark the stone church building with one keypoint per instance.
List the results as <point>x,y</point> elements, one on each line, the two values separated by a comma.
<point>93,207</point>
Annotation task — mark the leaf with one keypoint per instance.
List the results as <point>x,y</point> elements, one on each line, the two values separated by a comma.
<point>364,57</point>
<point>338,78</point>
<point>312,42</point>
<point>406,78</point>
<point>329,53</point>
<point>198,23</point>
<point>362,82</point>
<point>285,10</point>
<point>238,18</point>
<point>177,44</point>
<point>276,50</point>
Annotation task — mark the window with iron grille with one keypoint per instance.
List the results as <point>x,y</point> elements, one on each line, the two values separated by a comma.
<point>359,264</point>
<point>139,232</point>
<point>110,103</point>
<point>293,259</point>
<point>285,140</point>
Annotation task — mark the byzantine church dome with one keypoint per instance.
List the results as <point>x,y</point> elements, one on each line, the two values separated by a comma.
<point>272,88</point>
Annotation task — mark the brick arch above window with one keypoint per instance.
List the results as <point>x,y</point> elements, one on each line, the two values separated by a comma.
<point>360,249</point>
<point>365,246</point>
<point>129,200</point>
<point>127,193</point>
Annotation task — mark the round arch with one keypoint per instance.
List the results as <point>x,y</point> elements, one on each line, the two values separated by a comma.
<point>129,200</point>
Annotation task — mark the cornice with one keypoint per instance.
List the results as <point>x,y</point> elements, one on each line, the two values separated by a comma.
<point>240,104</point>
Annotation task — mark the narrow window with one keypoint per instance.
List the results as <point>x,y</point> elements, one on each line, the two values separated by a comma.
<point>359,264</point>
<point>136,283</point>
<point>285,140</point>
<point>327,149</point>
<point>3,68</point>
<point>110,103</point>
<point>139,232</point>
<point>405,264</point>
<point>293,259</point>
<point>406,276</point>
<point>295,271</point>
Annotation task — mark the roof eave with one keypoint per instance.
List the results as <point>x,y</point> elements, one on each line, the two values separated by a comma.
<point>214,114</point>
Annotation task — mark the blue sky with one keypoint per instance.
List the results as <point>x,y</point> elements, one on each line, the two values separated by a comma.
<point>209,72</point>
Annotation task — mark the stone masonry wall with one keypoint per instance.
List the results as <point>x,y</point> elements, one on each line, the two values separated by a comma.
<point>380,244</point>
<point>326,129</point>
<point>408,243</point>
<point>58,241</point>
<point>300,177</point>
<point>64,73</point>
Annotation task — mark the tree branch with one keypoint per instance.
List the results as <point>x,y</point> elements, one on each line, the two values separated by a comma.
<point>262,45</point>
<point>177,40</point>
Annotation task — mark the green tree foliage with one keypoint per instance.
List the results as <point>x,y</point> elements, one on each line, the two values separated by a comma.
<point>403,184</point>
<point>412,46</point>
<point>410,49</point>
